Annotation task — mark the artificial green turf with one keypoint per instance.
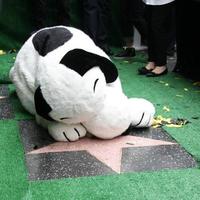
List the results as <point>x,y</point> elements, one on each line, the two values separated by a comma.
<point>13,181</point>
<point>173,184</point>
<point>6,62</point>
<point>173,91</point>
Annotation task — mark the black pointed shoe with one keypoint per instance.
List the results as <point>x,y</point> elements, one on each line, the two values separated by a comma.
<point>144,71</point>
<point>153,74</point>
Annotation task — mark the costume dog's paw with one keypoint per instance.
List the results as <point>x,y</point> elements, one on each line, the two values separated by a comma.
<point>141,112</point>
<point>145,120</point>
<point>63,132</point>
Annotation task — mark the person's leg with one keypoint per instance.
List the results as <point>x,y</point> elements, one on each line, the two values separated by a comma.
<point>95,19</point>
<point>151,51</point>
<point>139,20</point>
<point>181,28</point>
<point>127,22</point>
<point>126,14</point>
<point>38,14</point>
<point>90,18</point>
<point>63,12</point>
<point>195,41</point>
<point>104,20</point>
<point>161,27</point>
<point>172,36</point>
<point>188,40</point>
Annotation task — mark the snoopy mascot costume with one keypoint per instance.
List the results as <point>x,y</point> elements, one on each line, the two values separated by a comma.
<point>72,87</point>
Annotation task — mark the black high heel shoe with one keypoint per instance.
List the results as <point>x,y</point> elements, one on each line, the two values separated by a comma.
<point>153,74</point>
<point>144,71</point>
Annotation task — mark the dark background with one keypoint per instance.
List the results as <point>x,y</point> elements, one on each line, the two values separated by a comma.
<point>15,25</point>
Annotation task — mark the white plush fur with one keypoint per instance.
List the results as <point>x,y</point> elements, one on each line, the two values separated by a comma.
<point>107,113</point>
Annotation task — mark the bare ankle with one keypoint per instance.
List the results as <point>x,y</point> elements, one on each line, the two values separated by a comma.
<point>150,65</point>
<point>159,69</point>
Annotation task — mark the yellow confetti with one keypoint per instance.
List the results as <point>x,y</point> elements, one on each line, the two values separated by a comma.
<point>165,108</point>
<point>185,89</point>
<point>156,126</point>
<point>2,52</point>
<point>159,121</point>
<point>179,95</point>
<point>156,122</point>
<point>160,117</point>
<point>166,84</point>
<point>197,83</point>
<point>174,125</point>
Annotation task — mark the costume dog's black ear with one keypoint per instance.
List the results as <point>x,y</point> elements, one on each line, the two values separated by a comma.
<point>41,106</point>
<point>81,61</point>
<point>47,40</point>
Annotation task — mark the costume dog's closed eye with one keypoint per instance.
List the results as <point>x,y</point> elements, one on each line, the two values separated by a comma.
<point>72,87</point>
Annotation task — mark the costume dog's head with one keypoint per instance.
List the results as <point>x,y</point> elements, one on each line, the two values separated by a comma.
<point>70,88</point>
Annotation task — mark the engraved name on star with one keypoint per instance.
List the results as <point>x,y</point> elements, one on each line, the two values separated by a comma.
<point>108,152</point>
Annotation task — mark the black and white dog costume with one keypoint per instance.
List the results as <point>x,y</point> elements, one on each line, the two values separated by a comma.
<point>72,87</point>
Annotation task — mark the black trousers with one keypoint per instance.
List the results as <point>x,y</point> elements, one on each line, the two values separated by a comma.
<point>160,28</point>
<point>188,37</point>
<point>40,13</point>
<point>132,15</point>
<point>96,20</point>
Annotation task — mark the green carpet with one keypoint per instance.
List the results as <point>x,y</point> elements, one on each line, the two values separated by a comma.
<point>180,95</point>
<point>6,62</point>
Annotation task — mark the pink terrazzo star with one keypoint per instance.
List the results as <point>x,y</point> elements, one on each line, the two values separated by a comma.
<point>107,151</point>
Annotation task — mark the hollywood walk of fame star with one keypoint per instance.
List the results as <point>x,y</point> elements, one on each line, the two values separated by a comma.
<point>108,152</point>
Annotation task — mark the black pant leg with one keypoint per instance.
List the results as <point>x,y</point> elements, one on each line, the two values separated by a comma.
<point>180,30</point>
<point>195,41</point>
<point>90,18</point>
<point>159,31</point>
<point>38,14</point>
<point>104,22</point>
<point>151,50</point>
<point>187,35</point>
<point>139,20</point>
<point>96,21</point>
<point>126,14</point>
<point>63,12</point>
<point>172,35</point>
